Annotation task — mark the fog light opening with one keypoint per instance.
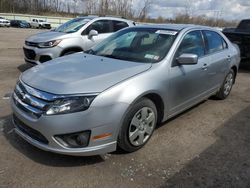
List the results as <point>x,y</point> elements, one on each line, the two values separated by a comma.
<point>81,139</point>
<point>74,140</point>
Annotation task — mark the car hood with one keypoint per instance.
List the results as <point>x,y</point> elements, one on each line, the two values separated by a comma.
<point>47,36</point>
<point>81,73</point>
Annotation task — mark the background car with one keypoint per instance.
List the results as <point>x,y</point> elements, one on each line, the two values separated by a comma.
<point>76,35</point>
<point>240,36</point>
<point>19,23</point>
<point>40,24</point>
<point>4,22</point>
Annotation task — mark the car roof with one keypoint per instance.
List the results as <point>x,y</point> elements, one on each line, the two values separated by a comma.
<point>88,17</point>
<point>103,17</point>
<point>20,20</point>
<point>176,27</point>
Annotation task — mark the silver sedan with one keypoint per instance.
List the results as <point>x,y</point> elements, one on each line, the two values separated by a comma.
<point>116,93</point>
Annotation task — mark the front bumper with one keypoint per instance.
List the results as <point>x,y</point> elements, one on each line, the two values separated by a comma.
<point>36,56</point>
<point>98,120</point>
<point>46,26</point>
<point>89,151</point>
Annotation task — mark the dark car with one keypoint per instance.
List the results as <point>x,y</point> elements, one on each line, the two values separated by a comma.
<point>20,24</point>
<point>241,37</point>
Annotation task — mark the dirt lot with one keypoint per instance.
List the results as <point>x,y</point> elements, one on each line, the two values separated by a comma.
<point>207,146</point>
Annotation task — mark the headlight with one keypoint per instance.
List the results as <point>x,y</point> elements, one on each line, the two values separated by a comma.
<point>49,44</point>
<point>70,105</point>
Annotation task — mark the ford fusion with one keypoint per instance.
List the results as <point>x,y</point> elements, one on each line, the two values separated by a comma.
<point>115,94</point>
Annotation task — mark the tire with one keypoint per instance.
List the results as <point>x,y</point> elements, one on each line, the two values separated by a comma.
<point>226,86</point>
<point>133,136</point>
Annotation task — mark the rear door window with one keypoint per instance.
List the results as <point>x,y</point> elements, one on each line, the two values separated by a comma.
<point>118,25</point>
<point>214,42</point>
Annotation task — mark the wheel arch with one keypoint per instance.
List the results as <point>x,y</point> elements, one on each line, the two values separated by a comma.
<point>75,48</point>
<point>234,68</point>
<point>157,100</point>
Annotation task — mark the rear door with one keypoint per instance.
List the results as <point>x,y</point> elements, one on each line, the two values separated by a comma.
<point>104,29</point>
<point>187,82</point>
<point>219,54</point>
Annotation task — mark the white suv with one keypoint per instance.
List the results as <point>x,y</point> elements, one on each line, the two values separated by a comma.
<point>4,22</point>
<point>76,35</point>
<point>40,24</point>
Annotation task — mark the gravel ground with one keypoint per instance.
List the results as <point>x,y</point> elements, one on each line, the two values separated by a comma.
<point>207,146</point>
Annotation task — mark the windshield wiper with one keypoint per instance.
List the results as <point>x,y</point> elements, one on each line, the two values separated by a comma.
<point>90,51</point>
<point>111,56</point>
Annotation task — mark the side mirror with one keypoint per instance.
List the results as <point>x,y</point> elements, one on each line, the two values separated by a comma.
<point>187,59</point>
<point>92,33</point>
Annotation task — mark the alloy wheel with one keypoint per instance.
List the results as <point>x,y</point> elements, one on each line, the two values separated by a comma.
<point>228,84</point>
<point>142,126</point>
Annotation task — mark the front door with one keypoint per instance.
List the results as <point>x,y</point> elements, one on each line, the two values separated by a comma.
<point>104,29</point>
<point>187,82</point>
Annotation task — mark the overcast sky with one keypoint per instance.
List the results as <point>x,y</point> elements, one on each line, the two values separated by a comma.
<point>228,9</point>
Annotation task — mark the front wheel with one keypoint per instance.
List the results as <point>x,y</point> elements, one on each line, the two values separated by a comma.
<point>226,86</point>
<point>138,125</point>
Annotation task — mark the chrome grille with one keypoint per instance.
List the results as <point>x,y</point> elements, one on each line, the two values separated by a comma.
<point>34,44</point>
<point>30,54</point>
<point>29,100</point>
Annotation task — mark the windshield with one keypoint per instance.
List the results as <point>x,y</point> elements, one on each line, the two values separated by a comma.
<point>144,45</point>
<point>72,25</point>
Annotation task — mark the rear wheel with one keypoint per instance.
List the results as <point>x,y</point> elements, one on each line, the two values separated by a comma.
<point>226,86</point>
<point>138,125</point>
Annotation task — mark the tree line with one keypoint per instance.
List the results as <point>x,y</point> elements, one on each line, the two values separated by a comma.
<point>123,8</point>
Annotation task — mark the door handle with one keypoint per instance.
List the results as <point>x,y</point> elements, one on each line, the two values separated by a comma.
<point>204,67</point>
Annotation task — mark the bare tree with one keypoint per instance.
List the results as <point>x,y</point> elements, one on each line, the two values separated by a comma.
<point>90,6</point>
<point>188,8</point>
<point>143,13</point>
